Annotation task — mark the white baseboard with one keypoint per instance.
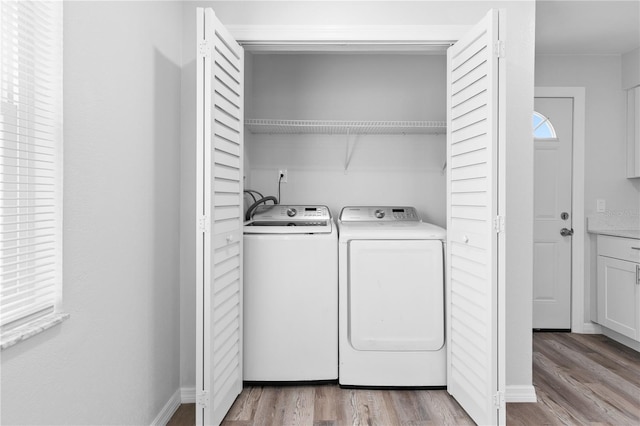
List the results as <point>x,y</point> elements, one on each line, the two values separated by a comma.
<point>591,328</point>
<point>520,394</point>
<point>168,410</point>
<point>632,343</point>
<point>188,395</point>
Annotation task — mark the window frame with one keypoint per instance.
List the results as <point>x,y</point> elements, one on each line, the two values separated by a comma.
<point>545,123</point>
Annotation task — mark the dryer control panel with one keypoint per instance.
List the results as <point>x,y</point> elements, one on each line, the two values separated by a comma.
<point>379,213</point>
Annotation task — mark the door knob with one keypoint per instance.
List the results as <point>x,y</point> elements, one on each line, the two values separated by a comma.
<point>566,232</point>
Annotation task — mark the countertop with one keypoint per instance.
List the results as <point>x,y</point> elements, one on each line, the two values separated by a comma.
<point>623,233</point>
<point>624,224</point>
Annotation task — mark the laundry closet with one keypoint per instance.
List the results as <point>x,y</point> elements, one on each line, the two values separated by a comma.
<point>350,128</point>
<point>357,129</point>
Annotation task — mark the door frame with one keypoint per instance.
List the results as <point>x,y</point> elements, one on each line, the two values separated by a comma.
<point>349,38</point>
<point>578,293</point>
<point>354,38</point>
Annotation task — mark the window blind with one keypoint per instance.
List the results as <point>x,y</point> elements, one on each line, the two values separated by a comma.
<point>30,159</point>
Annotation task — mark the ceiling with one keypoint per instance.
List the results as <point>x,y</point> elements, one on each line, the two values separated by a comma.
<point>589,27</point>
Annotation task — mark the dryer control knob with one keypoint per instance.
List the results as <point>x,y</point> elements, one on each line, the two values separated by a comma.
<point>291,212</point>
<point>379,213</point>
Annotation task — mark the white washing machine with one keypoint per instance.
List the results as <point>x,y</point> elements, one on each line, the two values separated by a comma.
<point>290,295</point>
<point>391,299</point>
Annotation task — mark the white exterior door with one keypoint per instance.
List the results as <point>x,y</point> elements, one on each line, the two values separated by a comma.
<point>552,213</point>
<point>475,233</point>
<point>220,75</point>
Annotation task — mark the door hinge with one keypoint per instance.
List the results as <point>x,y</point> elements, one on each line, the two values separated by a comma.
<point>498,49</point>
<point>498,224</point>
<point>499,401</point>
<point>202,399</point>
<point>204,224</point>
<point>204,48</point>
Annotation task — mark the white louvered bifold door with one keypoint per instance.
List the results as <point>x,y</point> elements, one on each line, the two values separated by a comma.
<point>220,74</point>
<point>474,373</point>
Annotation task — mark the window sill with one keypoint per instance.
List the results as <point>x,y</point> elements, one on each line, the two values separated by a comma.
<point>31,329</point>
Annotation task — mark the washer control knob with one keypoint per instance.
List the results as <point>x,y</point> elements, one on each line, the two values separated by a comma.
<point>379,213</point>
<point>291,212</point>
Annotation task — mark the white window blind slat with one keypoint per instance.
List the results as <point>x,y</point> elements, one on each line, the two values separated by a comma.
<point>45,282</point>
<point>28,223</point>
<point>31,253</point>
<point>28,96</point>
<point>30,307</point>
<point>21,153</point>
<point>24,167</point>
<point>17,240</point>
<point>30,231</point>
<point>10,216</point>
<point>35,295</point>
<point>11,128</point>
<point>26,117</point>
<point>30,21</point>
<point>27,157</point>
<point>32,276</point>
<point>24,287</point>
<point>22,261</point>
<point>30,160</point>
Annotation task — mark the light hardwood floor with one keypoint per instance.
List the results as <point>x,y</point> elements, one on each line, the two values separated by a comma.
<point>579,379</point>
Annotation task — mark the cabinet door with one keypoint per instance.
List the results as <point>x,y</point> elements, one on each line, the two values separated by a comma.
<point>618,296</point>
<point>633,132</point>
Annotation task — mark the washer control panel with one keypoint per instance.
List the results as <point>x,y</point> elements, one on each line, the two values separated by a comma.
<point>382,213</point>
<point>287,214</point>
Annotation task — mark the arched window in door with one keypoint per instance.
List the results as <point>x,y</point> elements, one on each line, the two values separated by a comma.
<point>542,128</point>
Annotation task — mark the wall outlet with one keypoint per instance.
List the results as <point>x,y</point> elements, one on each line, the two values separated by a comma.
<point>601,205</point>
<point>282,173</point>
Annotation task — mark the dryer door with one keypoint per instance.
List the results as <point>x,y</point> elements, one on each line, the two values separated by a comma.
<point>396,295</point>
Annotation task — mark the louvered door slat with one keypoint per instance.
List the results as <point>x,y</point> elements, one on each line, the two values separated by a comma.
<point>219,172</point>
<point>227,106</point>
<point>472,206</point>
<point>226,93</point>
<point>226,133</point>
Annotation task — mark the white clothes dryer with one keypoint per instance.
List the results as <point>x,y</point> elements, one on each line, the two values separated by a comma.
<point>391,299</point>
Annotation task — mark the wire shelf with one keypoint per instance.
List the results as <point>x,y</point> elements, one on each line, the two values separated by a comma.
<point>331,127</point>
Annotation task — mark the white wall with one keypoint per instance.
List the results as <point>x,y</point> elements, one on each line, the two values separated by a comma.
<point>519,174</point>
<point>116,360</point>
<point>519,58</point>
<point>631,69</point>
<point>384,169</point>
<point>605,141</point>
<point>188,202</point>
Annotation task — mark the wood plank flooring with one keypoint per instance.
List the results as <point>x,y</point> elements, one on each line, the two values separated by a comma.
<point>579,379</point>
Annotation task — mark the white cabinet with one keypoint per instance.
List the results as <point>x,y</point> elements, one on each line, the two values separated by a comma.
<point>619,285</point>
<point>633,132</point>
